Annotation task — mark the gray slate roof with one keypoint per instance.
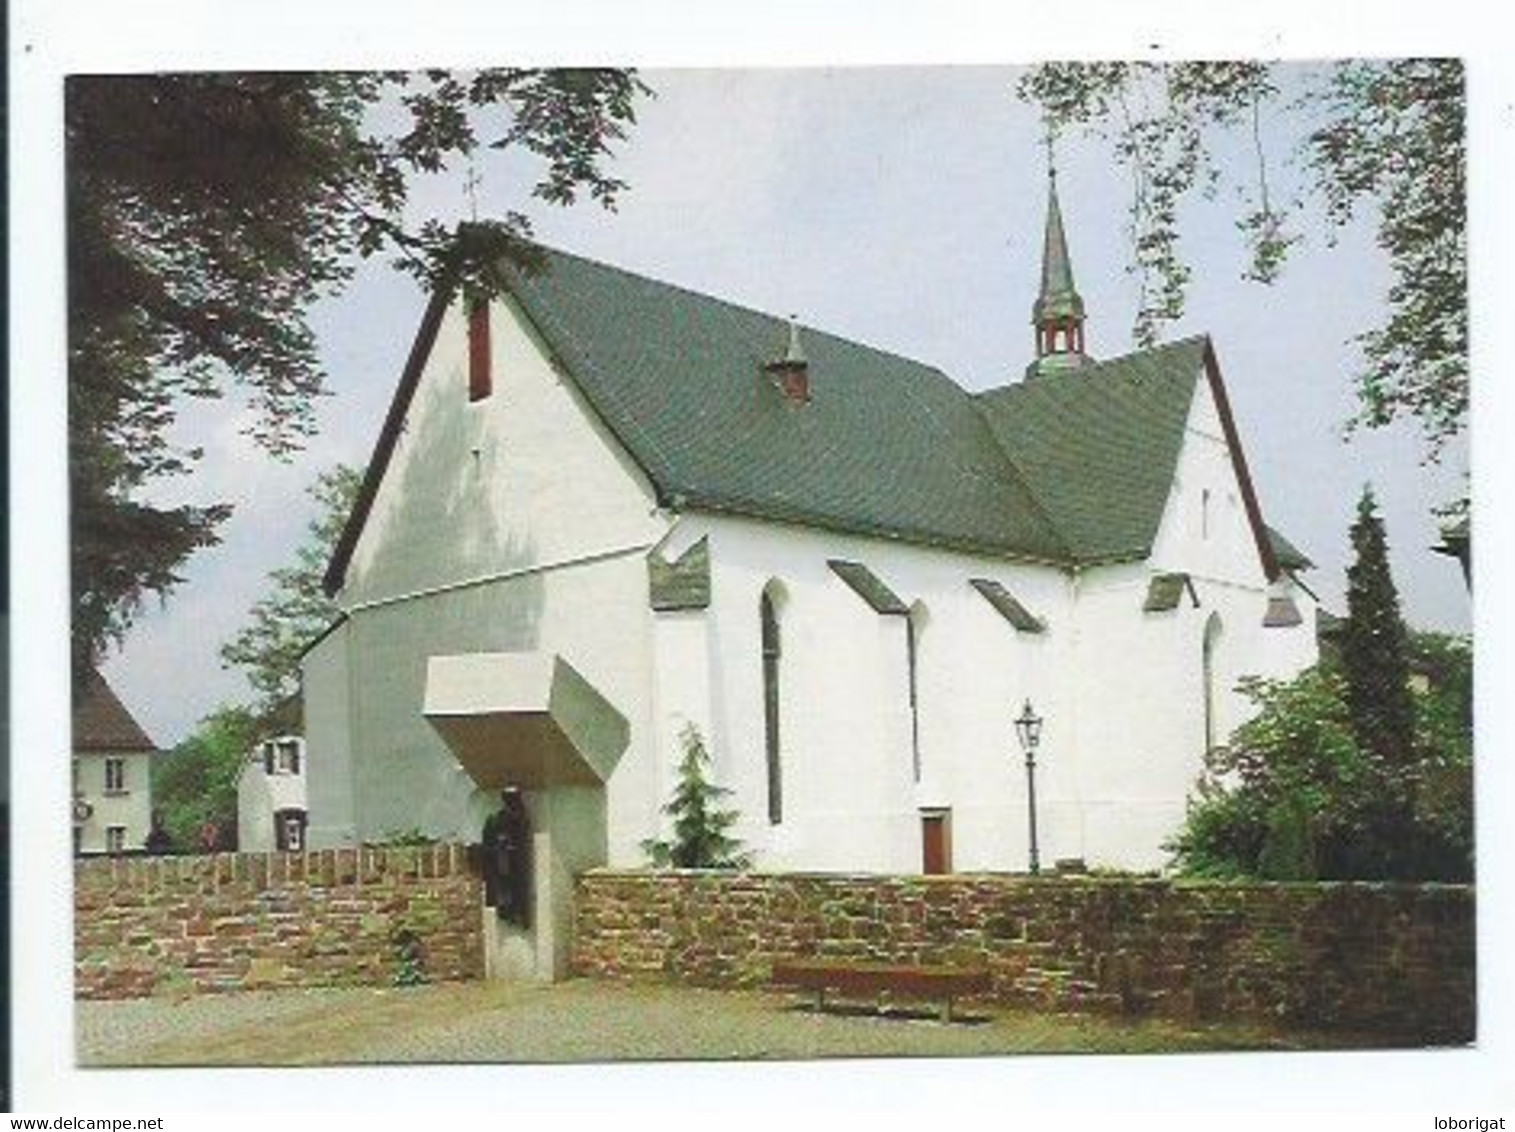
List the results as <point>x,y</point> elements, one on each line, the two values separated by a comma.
<point>1070,468</point>
<point>886,446</point>
<point>1098,445</point>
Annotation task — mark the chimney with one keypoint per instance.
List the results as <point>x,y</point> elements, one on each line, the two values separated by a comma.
<point>791,373</point>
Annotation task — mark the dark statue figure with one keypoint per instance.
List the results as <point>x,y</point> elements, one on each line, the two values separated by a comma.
<point>507,860</point>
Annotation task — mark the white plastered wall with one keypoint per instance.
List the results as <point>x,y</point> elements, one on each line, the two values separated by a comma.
<point>1140,676</point>
<point>511,523</point>
<point>850,799</point>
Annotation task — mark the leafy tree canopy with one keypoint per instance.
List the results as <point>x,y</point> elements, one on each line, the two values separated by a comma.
<point>283,624</point>
<point>206,214</point>
<point>1296,795</point>
<point>1361,767</point>
<point>195,784</point>
<point>1383,133</point>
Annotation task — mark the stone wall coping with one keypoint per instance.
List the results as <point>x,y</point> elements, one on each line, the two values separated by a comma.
<point>1069,880</point>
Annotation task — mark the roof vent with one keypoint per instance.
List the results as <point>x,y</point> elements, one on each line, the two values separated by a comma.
<point>791,373</point>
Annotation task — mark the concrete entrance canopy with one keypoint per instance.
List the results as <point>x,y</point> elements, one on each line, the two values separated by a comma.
<point>523,719</point>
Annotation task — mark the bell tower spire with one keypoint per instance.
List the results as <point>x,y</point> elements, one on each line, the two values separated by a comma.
<point>1058,313</point>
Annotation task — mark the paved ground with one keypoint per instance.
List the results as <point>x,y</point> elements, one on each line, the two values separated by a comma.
<point>585,1020</point>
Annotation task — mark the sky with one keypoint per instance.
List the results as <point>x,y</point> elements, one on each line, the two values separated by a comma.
<point>899,206</point>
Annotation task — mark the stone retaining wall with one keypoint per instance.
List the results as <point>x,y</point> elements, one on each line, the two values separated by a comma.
<point>1389,959</point>
<point>338,917</point>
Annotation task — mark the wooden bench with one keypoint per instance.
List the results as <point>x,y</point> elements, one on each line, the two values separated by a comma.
<point>898,980</point>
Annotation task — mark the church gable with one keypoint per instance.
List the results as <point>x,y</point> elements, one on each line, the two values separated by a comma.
<point>489,464</point>
<point>1098,444</point>
<point>1211,523</point>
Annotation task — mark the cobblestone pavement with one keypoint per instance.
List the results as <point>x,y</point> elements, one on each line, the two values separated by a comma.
<point>587,1020</point>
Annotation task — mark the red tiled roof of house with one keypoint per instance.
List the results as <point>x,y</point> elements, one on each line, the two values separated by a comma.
<point>102,723</point>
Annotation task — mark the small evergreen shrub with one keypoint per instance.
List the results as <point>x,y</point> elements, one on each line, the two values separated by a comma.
<point>701,838</point>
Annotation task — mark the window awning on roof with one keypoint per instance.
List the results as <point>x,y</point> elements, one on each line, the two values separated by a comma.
<point>1009,608</point>
<point>1165,591</point>
<point>867,585</point>
<point>681,584</point>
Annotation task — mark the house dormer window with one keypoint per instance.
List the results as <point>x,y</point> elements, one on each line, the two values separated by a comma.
<point>478,350</point>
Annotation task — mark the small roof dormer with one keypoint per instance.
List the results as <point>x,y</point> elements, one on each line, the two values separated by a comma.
<point>791,373</point>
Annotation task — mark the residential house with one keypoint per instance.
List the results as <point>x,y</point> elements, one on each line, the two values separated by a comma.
<point>271,811</point>
<point>112,774</point>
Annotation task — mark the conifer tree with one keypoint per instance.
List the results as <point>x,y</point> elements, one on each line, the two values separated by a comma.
<point>700,828</point>
<point>1375,647</point>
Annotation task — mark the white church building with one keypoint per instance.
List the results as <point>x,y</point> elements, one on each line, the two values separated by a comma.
<point>602,508</point>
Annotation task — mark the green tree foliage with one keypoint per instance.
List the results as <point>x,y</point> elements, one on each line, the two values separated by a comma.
<point>1297,796</point>
<point>700,828</point>
<point>1375,647</point>
<point>206,214</point>
<point>1360,767</point>
<point>282,624</point>
<point>1385,133</point>
<point>196,783</point>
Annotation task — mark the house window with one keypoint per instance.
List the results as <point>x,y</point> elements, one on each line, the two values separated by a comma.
<point>289,830</point>
<point>478,350</point>
<point>115,776</point>
<point>281,756</point>
<point>771,655</point>
<point>115,839</point>
<point>287,756</point>
<point>1204,513</point>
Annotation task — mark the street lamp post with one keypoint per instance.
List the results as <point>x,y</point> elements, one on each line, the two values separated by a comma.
<point>1028,729</point>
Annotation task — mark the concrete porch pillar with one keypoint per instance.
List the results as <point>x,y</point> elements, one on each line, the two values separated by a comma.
<point>530,721</point>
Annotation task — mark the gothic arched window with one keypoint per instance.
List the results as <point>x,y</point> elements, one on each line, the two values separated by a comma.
<point>772,653</point>
<point>915,623</point>
<point>1212,639</point>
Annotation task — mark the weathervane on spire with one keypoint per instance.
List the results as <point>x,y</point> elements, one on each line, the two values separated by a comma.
<point>470,183</point>
<point>1049,139</point>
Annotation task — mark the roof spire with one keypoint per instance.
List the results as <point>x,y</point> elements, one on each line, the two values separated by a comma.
<point>1058,313</point>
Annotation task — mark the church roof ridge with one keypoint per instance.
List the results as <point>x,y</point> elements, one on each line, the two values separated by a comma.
<point>889,446</point>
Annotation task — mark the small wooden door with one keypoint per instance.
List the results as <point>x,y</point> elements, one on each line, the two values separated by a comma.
<point>936,842</point>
